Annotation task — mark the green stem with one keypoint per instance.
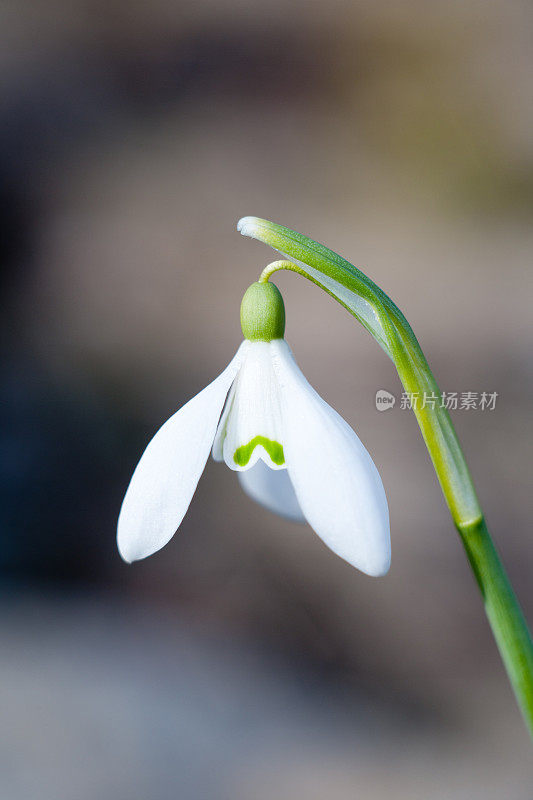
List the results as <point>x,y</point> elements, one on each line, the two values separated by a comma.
<point>383,319</point>
<point>504,614</point>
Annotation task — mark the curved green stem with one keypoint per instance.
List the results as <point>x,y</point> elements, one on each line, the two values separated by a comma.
<point>384,320</point>
<point>504,614</point>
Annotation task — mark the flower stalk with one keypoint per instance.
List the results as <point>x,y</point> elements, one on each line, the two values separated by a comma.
<point>383,319</point>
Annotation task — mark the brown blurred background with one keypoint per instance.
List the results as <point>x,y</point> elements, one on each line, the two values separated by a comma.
<point>245,660</point>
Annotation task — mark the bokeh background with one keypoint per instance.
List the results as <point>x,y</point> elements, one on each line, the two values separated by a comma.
<point>245,661</point>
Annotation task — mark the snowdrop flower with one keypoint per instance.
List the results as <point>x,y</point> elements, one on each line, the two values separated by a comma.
<point>293,453</point>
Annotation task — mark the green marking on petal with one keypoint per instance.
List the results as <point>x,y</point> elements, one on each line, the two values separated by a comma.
<point>274,449</point>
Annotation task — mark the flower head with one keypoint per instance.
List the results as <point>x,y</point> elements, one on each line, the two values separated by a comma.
<point>294,454</point>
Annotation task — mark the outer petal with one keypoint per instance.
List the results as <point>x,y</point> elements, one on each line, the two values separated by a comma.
<point>164,481</point>
<point>272,488</point>
<point>336,482</point>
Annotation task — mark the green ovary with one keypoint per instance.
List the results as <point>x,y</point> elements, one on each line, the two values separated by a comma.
<point>274,449</point>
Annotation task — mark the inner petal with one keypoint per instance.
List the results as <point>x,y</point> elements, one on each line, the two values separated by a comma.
<point>250,428</point>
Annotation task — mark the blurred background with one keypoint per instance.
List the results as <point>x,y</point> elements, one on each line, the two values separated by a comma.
<point>245,660</point>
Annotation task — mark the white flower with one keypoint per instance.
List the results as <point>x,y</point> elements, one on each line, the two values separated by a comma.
<point>294,454</point>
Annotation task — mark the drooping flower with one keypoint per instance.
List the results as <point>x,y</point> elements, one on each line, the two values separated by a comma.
<point>294,454</point>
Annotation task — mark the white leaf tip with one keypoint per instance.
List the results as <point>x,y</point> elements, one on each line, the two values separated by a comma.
<point>246,224</point>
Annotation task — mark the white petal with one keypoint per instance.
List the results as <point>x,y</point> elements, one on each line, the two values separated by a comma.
<point>273,490</point>
<point>250,427</point>
<point>164,481</point>
<point>336,482</point>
